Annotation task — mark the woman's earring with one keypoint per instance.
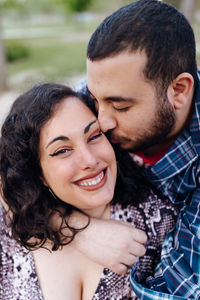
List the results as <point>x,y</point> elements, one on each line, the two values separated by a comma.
<point>52,193</point>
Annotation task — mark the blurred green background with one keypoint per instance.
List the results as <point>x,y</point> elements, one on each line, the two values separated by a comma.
<point>46,40</point>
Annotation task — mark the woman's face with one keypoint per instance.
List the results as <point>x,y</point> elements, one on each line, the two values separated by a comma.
<point>77,161</point>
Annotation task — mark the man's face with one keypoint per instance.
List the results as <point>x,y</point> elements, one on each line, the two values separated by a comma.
<point>128,105</point>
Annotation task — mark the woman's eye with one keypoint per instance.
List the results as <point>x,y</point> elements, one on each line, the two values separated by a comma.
<point>59,152</point>
<point>96,136</point>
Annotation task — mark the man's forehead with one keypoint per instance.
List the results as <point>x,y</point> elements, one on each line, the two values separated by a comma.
<point>117,70</point>
<point>123,57</point>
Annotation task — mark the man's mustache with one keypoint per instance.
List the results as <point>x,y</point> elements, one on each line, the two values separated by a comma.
<point>111,136</point>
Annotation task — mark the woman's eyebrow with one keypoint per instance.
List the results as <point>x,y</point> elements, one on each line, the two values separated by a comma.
<point>87,128</point>
<point>65,138</point>
<point>58,138</point>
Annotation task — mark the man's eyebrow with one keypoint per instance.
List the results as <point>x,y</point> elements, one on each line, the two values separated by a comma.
<point>113,98</point>
<point>65,138</point>
<point>118,99</point>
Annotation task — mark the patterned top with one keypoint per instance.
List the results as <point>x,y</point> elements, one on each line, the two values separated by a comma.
<point>177,174</point>
<point>18,278</point>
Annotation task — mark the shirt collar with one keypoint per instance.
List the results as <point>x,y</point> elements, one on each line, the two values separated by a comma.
<point>184,151</point>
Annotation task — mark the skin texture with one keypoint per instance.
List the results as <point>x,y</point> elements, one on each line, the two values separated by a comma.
<point>77,161</point>
<point>128,104</point>
<point>74,151</point>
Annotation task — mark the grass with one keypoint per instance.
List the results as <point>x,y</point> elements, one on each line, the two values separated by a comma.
<point>63,54</point>
<point>53,57</point>
<point>58,56</point>
<point>50,60</point>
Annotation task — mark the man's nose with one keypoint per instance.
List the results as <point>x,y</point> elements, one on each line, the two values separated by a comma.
<point>107,122</point>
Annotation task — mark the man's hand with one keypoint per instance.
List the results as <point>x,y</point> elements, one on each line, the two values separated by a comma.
<point>113,244</point>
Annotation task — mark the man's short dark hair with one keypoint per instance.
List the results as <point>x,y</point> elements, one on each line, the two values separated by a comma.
<point>155,27</point>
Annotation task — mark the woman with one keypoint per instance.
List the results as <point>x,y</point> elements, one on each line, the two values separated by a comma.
<point>54,159</point>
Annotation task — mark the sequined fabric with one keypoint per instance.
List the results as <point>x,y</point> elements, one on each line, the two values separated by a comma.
<point>18,278</point>
<point>156,217</point>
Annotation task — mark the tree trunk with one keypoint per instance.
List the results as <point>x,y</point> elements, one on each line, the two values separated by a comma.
<point>188,8</point>
<point>3,66</point>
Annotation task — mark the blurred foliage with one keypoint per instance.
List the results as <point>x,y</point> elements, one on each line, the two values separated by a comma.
<point>16,51</point>
<point>77,5</point>
<point>50,59</point>
<point>176,3</point>
<point>7,4</point>
<point>55,38</point>
<point>28,7</point>
<point>53,57</point>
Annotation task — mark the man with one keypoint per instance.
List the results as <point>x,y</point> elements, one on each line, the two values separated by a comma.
<point>142,75</point>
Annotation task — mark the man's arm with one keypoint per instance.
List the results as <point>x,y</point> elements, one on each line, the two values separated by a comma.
<point>113,244</point>
<point>178,274</point>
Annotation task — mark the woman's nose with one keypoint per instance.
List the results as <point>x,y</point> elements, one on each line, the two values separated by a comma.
<point>87,159</point>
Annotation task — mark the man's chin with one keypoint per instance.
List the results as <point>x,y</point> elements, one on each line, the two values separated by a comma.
<point>130,147</point>
<point>126,146</point>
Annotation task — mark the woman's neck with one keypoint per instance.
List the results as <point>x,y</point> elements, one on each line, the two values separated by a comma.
<point>102,212</point>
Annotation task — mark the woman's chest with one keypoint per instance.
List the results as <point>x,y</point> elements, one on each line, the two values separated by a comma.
<point>66,274</point>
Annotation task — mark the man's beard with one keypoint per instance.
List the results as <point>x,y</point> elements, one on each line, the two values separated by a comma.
<point>162,125</point>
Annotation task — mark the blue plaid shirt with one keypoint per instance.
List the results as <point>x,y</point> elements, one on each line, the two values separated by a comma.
<point>177,174</point>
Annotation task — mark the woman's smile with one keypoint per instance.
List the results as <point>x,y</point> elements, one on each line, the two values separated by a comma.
<point>81,168</point>
<point>92,183</point>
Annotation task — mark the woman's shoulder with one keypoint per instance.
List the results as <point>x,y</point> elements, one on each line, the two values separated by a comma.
<point>5,230</point>
<point>148,213</point>
<point>8,243</point>
<point>17,270</point>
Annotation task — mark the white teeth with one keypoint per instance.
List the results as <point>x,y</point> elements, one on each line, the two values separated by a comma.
<point>93,182</point>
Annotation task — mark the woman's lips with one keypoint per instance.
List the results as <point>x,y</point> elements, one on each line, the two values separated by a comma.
<point>93,183</point>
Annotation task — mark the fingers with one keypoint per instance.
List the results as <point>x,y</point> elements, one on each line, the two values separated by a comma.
<point>139,236</point>
<point>123,267</point>
<point>132,247</point>
<point>135,243</point>
<point>120,269</point>
<point>129,260</point>
<point>137,249</point>
<point>116,246</point>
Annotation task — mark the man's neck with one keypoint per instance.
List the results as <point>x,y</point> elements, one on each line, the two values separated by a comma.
<point>156,149</point>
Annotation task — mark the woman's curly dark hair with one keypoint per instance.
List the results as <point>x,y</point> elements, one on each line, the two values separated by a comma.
<point>30,202</point>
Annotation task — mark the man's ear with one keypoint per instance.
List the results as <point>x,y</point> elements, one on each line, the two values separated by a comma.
<point>180,91</point>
